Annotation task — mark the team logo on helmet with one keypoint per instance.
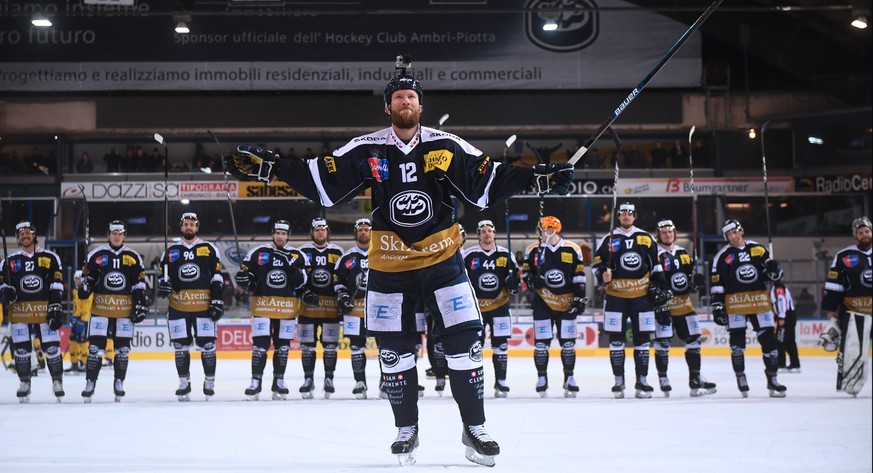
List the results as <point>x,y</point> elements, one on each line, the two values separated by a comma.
<point>577,26</point>
<point>411,208</point>
<point>631,261</point>
<point>747,274</point>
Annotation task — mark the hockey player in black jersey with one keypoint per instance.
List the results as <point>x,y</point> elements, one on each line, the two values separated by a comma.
<point>191,278</point>
<point>413,172</point>
<point>739,296</point>
<point>847,303</point>
<point>113,273</point>
<point>320,320</point>
<point>272,273</point>
<point>494,274</point>
<point>554,272</point>
<point>32,287</point>
<point>350,283</point>
<point>679,313</point>
<point>626,262</point>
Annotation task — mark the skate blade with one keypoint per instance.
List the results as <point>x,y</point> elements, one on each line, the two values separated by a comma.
<point>569,394</point>
<point>327,395</point>
<point>252,397</point>
<point>207,397</point>
<point>383,395</point>
<point>478,458</point>
<point>421,394</point>
<point>666,393</point>
<point>86,400</point>
<point>439,393</point>
<point>306,395</point>
<point>745,394</point>
<point>24,400</point>
<point>183,398</point>
<point>279,397</point>
<point>774,393</point>
<point>499,394</point>
<point>543,394</point>
<point>118,398</point>
<point>406,459</point>
<point>618,394</point>
<point>643,395</point>
<point>361,395</point>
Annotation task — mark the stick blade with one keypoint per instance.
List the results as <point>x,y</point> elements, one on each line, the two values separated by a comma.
<point>159,138</point>
<point>691,133</point>
<point>510,140</point>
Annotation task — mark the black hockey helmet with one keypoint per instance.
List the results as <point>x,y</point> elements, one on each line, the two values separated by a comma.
<point>731,224</point>
<point>116,226</point>
<point>860,222</point>
<point>483,223</point>
<point>403,80</point>
<point>25,225</point>
<point>359,223</point>
<point>189,216</point>
<point>626,207</point>
<point>668,224</point>
<point>282,225</point>
<point>319,223</point>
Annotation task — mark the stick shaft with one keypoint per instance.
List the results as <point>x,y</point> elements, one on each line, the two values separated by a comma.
<point>693,197</point>
<point>766,192</point>
<point>239,257</point>
<point>639,88</point>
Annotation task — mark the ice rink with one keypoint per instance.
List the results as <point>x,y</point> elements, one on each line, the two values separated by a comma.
<point>814,429</point>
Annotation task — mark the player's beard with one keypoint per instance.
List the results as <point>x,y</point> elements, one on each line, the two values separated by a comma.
<point>363,240</point>
<point>406,118</point>
<point>189,234</point>
<point>865,243</point>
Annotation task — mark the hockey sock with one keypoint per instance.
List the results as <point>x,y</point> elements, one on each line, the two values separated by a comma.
<point>500,360</point>
<point>95,360</point>
<point>541,358</point>
<point>122,355</point>
<point>692,357</point>
<point>183,360</point>
<point>568,356</point>
<point>641,359</point>
<point>616,357</point>
<point>259,361</point>
<point>401,387</point>
<point>280,360</point>
<point>307,359</point>
<point>329,359</point>
<point>207,358</point>
<point>662,356</point>
<point>738,359</point>
<point>359,363</point>
<point>440,367</point>
<point>54,361</point>
<point>466,374</point>
<point>22,364</point>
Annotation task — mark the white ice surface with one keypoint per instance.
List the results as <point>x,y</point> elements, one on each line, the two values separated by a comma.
<point>814,429</point>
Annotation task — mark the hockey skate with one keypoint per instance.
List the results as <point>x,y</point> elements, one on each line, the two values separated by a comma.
<point>254,389</point>
<point>664,381</point>
<point>360,390</point>
<point>618,389</point>
<point>700,386</point>
<point>118,389</point>
<point>440,386</point>
<point>382,393</point>
<point>776,389</point>
<point>743,384</point>
<point>405,444</point>
<point>88,392</point>
<point>542,386</point>
<point>182,393</point>
<point>420,391</point>
<point>481,448</point>
<point>643,390</point>
<point>58,388</point>
<point>280,390</point>
<point>429,374</point>
<point>23,392</point>
<point>328,387</point>
<point>209,387</point>
<point>570,387</point>
<point>307,389</point>
<point>501,390</point>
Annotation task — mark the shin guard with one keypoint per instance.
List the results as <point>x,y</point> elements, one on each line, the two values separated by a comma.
<point>207,359</point>
<point>662,356</point>
<point>122,355</point>
<point>466,374</point>
<point>541,358</point>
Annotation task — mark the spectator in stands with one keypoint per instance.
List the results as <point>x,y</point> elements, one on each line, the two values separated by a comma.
<point>291,154</point>
<point>200,160</point>
<point>128,161</point>
<point>85,165</point>
<point>308,154</point>
<point>678,155</point>
<point>593,159</point>
<point>701,154</point>
<point>155,161</point>
<point>634,157</point>
<point>112,160</point>
<point>181,166</point>
<point>36,162</point>
<point>139,160</point>
<point>659,156</point>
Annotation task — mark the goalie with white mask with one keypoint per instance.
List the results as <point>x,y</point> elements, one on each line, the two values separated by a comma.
<point>847,303</point>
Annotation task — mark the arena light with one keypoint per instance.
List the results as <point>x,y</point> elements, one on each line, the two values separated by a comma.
<point>41,21</point>
<point>814,140</point>
<point>182,28</point>
<point>752,134</point>
<point>860,22</point>
<point>550,25</point>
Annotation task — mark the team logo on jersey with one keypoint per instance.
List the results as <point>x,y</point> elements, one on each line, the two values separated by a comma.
<point>203,251</point>
<point>566,257</point>
<point>679,281</point>
<point>330,164</point>
<point>667,264</point>
<point>389,358</point>
<point>474,263</point>
<point>729,259</point>
<point>128,260</point>
<point>554,278</point>
<point>411,208</point>
<point>263,258</point>
<point>615,245</point>
<point>15,265</point>
<point>488,282</point>
<point>102,260</point>
<point>31,284</point>
<point>321,278</point>
<point>378,168</point>
<point>44,262</point>
<point>277,279</point>
<point>747,274</point>
<point>631,261</point>
<point>578,24</point>
<point>501,262</point>
<point>866,276</point>
<point>439,159</point>
<point>174,255</point>
<point>757,251</point>
<point>189,272</point>
<point>350,263</point>
<point>850,261</point>
<point>115,281</point>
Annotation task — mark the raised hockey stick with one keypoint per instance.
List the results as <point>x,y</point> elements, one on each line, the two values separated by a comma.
<point>160,139</point>
<point>766,193</point>
<point>639,88</point>
<point>693,198</point>
<point>509,142</point>
<point>7,278</point>
<point>442,120</point>
<point>617,141</point>
<point>239,256</point>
